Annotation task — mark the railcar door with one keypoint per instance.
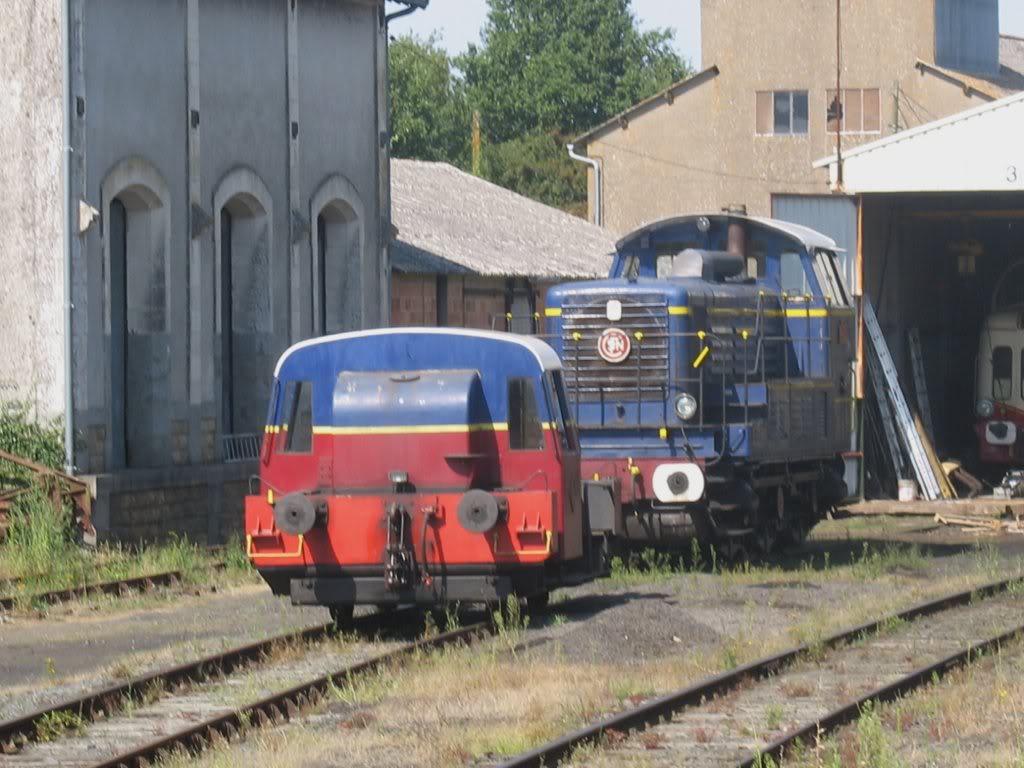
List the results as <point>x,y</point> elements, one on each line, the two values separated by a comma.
<point>569,448</point>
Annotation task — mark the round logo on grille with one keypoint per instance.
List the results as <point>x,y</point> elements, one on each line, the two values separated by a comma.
<point>613,345</point>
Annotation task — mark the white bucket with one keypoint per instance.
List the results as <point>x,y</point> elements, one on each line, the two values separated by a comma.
<point>907,490</point>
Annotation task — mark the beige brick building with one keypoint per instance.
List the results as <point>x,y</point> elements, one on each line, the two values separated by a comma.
<point>747,127</point>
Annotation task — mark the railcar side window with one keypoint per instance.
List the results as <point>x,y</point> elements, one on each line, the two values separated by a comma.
<point>298,402</point>
<point>1002,373</point>
<point>826,267</point>
<point>525,431</point>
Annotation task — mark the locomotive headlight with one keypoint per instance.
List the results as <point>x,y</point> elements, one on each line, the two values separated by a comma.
<point>985,408</point>
<point>613,310</point>
<point>686,407</point>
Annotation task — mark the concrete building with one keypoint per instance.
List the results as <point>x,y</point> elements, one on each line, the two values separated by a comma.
<point>224,194</point>
<point>748,127</point>
<point>941,211</point>
<point>471,254</point>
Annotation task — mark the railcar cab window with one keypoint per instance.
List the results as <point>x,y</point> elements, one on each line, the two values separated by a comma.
<point>298,413</point>
<point>525,430</point>
<point>1002,373</point>
<point>792,276</point>
<point>563,416</point>
<point>826,268</point>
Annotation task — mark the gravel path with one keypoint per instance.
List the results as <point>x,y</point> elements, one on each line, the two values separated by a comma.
<point>48,660</point>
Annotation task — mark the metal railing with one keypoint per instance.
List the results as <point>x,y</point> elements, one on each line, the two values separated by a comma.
<point>721,379</point>
<point>239,448</point>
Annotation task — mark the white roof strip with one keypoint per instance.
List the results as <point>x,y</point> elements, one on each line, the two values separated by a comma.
<point>978,150</point>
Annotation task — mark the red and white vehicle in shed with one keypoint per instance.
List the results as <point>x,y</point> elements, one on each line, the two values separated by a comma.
<point>1000,377</point>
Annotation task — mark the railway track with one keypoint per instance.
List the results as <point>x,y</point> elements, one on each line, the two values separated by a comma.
<point>764,708</point>
<point>190,706</point>
<point>113,587</point>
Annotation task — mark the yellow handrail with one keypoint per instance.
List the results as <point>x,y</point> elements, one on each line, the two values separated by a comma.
<point>270,555</point>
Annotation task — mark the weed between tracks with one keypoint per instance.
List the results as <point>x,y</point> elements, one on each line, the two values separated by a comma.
<point>459,705</point>
<point>41,551</point>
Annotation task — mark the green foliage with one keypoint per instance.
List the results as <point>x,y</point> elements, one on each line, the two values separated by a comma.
<point>647,566</point>
<point>54,725</point>
<point>537,165</point>
<point>510,622</point>
<point>40,538</point>
<point>430,117</point>
<point>20,435</point>
<point>874,748</point>
<point>544,73</point>
<point>564,66</point>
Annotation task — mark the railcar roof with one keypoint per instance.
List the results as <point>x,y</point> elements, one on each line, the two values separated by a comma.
<point>544,355</point>
<point>808,237</point>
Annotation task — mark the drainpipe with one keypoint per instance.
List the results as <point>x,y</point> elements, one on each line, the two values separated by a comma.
<point>598,185</point>
<point>69,405</point>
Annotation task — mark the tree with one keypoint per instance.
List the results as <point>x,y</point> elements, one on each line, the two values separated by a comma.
<point>537,166</point>
<point>430,117</point>
<point>546,70</point>
<point>563,66</point>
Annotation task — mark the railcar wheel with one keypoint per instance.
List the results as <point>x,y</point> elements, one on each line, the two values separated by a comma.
<point>341,615</point>
<point>538,602</point>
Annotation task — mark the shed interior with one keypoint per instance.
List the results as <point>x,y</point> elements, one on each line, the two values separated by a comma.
<point>931,263</point>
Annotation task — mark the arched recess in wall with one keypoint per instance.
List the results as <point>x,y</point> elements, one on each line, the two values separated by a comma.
<point>136,251</point>
<point>337,239</point>
<point>243,243</point>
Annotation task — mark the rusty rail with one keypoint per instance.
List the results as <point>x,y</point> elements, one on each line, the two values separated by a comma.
<point>649,713</point>
<point>115,587</point>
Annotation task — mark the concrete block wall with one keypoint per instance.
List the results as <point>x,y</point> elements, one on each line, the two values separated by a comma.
<point>240,184</point>
<point>31,211</point>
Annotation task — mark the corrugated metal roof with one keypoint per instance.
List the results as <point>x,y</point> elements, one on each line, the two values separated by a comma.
<point>452,222</point>
<point>977,150</point>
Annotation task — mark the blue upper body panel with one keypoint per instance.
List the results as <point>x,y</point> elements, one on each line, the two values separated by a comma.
<point>415,377</point>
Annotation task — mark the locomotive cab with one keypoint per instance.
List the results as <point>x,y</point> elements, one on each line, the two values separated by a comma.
<point>419,466</point>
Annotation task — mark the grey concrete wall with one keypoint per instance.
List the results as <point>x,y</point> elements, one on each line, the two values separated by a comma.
<point>31,213</point>
<point>211,136</point>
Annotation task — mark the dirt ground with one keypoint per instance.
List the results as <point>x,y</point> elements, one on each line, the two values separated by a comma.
<point>611,643</point>
<point>70,651</point>
<point>598,647</point>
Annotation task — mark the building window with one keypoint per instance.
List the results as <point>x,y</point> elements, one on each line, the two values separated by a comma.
<point>861,113</point>
<point>525,432</point>
<point>781,113</point>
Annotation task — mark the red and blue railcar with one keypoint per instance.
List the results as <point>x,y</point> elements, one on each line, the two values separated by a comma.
<point>421,466</point>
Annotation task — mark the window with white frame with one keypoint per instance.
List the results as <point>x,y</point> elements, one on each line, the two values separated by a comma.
<point>781,113</point>
<point>861,110</point>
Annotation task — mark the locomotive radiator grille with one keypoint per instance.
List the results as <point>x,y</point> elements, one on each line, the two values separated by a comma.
<point>589,377</point>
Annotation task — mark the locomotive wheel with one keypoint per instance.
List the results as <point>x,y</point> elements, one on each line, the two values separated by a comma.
<point>341,615</point>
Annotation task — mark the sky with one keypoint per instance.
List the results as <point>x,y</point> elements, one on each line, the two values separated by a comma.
<point>459,21</point>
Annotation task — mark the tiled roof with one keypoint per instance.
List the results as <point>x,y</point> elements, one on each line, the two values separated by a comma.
<point>452,222</point>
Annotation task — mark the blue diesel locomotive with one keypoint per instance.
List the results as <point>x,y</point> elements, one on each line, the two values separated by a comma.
<point>710,377</point>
